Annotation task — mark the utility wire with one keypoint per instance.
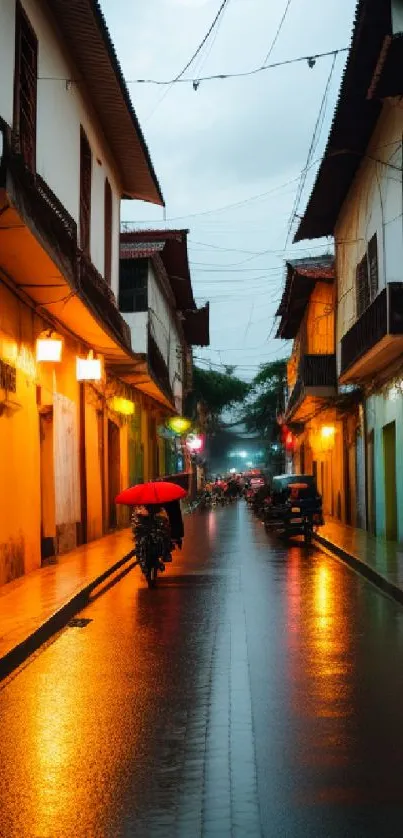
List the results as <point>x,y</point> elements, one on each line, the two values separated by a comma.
<point>312,148</point>
<point>126,224</point>
<point>195,54</point>
<point>311,59</point>
<point>279,28</point>
<point>201,45</point>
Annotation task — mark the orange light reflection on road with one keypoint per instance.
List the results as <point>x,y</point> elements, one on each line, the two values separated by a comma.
<point>318,642</point>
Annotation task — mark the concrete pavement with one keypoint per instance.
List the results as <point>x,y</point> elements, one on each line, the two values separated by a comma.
<point>378,560</point>
<point>37,605</point>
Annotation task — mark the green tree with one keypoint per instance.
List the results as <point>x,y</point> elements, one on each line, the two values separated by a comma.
<point>216,391</point>
<point>266,399</point>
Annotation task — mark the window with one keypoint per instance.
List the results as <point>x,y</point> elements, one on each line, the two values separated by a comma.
<point>25,87</point>
<point>108,232</point>
<point>85,192</point>
<point>367,277</point>
<point>133,283</point>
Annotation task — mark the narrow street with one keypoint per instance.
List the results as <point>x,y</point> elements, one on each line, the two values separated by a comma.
<point>256,691</point>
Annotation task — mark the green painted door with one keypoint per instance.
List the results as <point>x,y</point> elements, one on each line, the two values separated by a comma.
<point>389,455</point>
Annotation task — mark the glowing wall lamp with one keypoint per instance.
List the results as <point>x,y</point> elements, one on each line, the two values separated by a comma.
<point>194,443</point>
<point>49,347</point>
<point>89,368</point>
<point>179,424</point>
<point>328,432</point>
<point>121,405</point>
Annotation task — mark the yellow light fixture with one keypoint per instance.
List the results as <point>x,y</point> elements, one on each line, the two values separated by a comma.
<point>49,347</point>
<point>121,405</point>
<point>328,431</point>
<point>89,368</point>
<point>179,424</point>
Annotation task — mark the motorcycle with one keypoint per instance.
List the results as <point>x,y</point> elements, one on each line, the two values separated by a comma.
<point>153,545</point>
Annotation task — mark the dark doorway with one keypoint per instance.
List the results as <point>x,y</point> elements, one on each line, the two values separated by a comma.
<point>101,462</point>
<point>48,523</point>
<point>113,470</point>
<point>371,483</point>
<point>389,465</point>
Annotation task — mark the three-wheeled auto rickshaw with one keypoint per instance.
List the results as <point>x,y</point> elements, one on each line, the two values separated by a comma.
<point>294,506</point>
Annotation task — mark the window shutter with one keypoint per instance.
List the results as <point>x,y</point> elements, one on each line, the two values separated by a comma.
<point>25,87</point>
<point>362,286</point>
<point>373,266</point>
<point>108,232</point>
<point>85,192</point>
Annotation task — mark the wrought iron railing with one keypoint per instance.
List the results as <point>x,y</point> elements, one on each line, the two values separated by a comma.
<point>99,295</point>
<point>384,316</point>
<point>56,229</point>
<point>158,365</point>
<point>314,371</point>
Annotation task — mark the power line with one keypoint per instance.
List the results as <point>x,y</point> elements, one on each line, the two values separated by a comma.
<point>204,57</point>
<point>312,147</point>
<point>279,28</point>
<point>201,45</point>
<point>310,59</point>
<point>223,208</point>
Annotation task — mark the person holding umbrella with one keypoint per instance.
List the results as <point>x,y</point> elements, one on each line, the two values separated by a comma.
<point>156,523</point>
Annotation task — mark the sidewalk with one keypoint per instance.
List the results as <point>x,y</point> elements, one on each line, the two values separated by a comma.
<point>379,560</point>
<point>35,606</point>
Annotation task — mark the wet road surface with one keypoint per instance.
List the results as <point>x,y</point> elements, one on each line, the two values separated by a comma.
<point>257,691</point>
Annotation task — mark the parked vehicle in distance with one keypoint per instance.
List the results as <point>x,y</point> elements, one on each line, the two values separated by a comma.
<point>294,506</point>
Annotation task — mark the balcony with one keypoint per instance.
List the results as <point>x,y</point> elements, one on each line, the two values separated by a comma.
<point>37,204</point>
<point>158,367</point>
<point>316,381</point>
<point>39,242</point>
<point>96,293</point>
<point>376,338</point>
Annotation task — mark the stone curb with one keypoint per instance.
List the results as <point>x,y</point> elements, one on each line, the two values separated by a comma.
<point>58,620</point>
<point>390,588</point>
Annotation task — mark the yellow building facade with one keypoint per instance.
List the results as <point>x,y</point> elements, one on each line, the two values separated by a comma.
<point>307,316</point>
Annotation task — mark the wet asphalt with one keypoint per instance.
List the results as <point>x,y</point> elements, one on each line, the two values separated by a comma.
<point>258,691</point>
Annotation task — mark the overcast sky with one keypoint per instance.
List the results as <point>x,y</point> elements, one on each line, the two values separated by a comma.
<point>230,141</point>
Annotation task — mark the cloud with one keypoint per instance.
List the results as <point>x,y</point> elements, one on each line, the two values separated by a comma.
<point>231,139</point>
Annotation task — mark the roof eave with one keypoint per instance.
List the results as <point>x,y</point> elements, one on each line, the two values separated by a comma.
<point>83,28</point>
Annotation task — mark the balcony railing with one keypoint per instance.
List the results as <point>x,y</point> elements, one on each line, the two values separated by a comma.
<point>37,202</point>
<point>158,365</point>
<point>97,292</point>
<point>55,229</point>
<point>315,373</point>
<point>383,318</point>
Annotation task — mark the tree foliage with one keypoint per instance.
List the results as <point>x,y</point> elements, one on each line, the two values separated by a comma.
<point>217,391</point>
<point>266,399</point>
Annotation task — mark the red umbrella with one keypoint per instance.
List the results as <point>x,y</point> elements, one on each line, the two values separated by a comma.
<point>153,492</point>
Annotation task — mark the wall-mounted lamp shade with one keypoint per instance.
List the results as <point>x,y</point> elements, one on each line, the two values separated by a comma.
<point>49,347</point>
<point>89,368</point>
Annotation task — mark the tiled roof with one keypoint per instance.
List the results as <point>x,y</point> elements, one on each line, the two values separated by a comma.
<point>301,278</point>
<point>320,267</point>
<point>140,250</point>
